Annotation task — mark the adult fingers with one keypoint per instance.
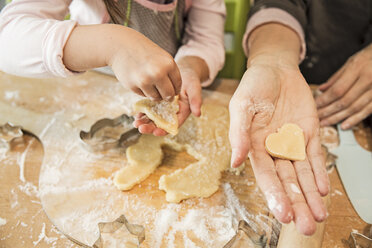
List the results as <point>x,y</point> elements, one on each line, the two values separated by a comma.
<point>302,215</point>
<point>165,88</point>
<point>306,179</point>
<point>355,108</point>
<point>338,88</point>
<point>357,117</point>
<point>316,158</point>
<point>332,79</point>
<point>240,123</point>
<point>269,183</point>
<point>358,89</point>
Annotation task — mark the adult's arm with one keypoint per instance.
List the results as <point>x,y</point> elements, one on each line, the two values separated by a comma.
<point>273,92</point>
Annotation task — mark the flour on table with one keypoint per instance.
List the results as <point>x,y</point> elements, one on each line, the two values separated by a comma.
<point>11,95</point>
<point>329,137</point>
<point>2,221</point>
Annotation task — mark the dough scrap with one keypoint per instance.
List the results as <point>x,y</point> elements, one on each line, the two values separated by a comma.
<point>287,143</point>
<point>205,138</point>
<point>162,113</point>
<point>143,158</point>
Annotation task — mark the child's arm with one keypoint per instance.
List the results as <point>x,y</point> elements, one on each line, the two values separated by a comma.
<point>35,42</point>
<point>203,37</point>
<point>137,62</point>
<point>32,36</point>
<point>199,59</point>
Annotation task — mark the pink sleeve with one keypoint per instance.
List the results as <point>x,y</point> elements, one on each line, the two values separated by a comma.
<point>32,37</point>
<point>204,35</point>
<point>274,15</point>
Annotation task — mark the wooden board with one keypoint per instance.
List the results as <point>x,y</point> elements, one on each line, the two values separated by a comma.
<point>19,203</point>
<point>75,185</point>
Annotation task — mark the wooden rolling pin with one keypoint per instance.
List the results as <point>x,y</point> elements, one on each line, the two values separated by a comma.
<point>291,238</point>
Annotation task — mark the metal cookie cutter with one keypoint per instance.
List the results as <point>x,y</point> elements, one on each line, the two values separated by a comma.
<point>8,134</point>
<point>138,231</point>
<point>107,134</point>
<point>246,237</point>
<point>358,240</point>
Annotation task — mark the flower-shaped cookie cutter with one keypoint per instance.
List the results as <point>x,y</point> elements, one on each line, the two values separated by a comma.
<point>245,235</point>
<point>110,227</point>
<point>358,240</point>
<point>8,134</point>
<point>108,133</point>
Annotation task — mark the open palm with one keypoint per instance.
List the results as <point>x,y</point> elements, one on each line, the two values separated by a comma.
<point>267,98</point>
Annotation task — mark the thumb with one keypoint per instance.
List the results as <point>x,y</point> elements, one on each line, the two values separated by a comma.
<point>195,99</point>
<point>240,123</point>
<point>193,94</point>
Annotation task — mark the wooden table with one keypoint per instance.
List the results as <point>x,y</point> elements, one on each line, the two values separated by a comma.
<point>28,226</point>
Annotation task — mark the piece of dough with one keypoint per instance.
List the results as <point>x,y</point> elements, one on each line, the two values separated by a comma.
<point>205,138</point>
<point>162,113</point>
<point>287,143</point>
<point>143,158</point>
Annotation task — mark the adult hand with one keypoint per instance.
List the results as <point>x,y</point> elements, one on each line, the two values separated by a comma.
<point>189,102</point>
<point>347,95</point>
<point>268,97</point>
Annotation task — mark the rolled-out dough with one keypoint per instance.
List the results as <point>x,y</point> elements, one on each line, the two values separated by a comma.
<point>162,113</point>
<point>205,138</point>
<point>287,143</point>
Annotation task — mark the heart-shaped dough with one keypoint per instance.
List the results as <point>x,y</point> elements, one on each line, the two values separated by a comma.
<point>287,143</point>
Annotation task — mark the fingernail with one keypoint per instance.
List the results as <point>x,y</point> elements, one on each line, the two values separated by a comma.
<point>345,126</point>
<point>233,157</point>
<point>169,98</point>
<point>324,123</point>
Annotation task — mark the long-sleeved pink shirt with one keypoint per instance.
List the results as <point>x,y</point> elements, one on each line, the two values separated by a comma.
<point>33,34</point>
<point>276,15</point>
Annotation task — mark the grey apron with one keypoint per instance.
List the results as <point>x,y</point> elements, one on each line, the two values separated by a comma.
<point>165,28</point>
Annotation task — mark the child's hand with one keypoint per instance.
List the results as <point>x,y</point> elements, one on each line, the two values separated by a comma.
<point>145,68</point>
<point>190,98</point>
<point>137,62</point>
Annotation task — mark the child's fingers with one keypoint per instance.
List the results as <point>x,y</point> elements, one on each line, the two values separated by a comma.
<point>138,91</point>
<point>175,78</point>
<point>165,88</point>
<point>147,128</point>
<point>151,92</point>
<point>140,119</point>
<point>195,99</point>
<point>184,111</point>
<point>159,132</point>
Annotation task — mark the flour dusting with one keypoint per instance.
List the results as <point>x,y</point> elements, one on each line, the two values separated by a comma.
<point>295,189</point>
<point>2,221</point>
